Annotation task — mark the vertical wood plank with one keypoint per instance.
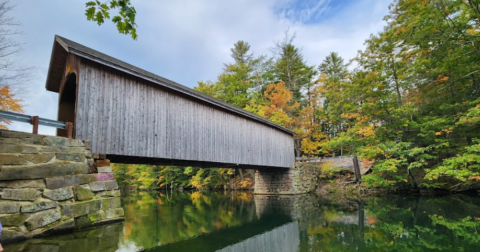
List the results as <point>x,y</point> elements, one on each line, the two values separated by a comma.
<point>124,115</point>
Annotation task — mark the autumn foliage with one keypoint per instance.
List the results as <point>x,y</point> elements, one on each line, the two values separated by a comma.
<point>8,102</point>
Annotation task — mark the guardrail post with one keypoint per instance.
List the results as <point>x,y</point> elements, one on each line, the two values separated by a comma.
<point>69,128</point>
<point>34,122</point>
<point>356,167</point>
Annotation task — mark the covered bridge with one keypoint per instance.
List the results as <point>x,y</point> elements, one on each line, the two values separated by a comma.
<point>133,116</point>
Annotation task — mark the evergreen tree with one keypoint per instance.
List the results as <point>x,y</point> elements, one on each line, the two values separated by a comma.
<point>291,68</point>
<point>240,80</point>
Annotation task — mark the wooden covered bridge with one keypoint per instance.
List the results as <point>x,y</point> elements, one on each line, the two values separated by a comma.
<point>133,116</point>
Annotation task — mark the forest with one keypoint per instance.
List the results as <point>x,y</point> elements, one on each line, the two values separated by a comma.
<point>409,101</point>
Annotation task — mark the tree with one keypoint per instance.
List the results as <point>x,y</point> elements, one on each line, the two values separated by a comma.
<point>416,84</point>
<point>291,68</point>
<point>8,102</point>
<point>312,120</point>
<point>11,74</point>
<point>276,105</point>
<point>241,80</point>
<point>333,66</point>
<point>125,20</point>
<point>334,91</point>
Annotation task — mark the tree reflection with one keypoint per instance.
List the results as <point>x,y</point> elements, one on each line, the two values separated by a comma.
<point>398,223</point>
<point>157,219</point>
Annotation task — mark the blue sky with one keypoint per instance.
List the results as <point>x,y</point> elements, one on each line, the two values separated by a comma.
<point>188,41</point>
<point>311,12</point>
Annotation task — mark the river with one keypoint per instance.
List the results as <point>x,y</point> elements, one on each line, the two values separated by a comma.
<point>241,221</point>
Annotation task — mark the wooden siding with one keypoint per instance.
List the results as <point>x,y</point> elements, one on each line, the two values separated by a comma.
<point>128,116</point>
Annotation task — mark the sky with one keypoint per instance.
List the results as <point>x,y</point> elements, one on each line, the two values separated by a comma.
<point>188,41</point>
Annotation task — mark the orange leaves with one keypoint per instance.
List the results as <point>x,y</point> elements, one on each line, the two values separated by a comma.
<point>279,96</point>
<point>277,106</point>
<point>443,131</point>
<point>474,178</point>
<point>8,102</point>
<point>372,220</point>
<point>442,78</point>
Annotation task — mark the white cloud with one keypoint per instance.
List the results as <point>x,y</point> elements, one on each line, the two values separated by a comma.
<point>187,41</point>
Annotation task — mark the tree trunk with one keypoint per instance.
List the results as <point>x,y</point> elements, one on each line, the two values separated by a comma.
<point>221,177</point>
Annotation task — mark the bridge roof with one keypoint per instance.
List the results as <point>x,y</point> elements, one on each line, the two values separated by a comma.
<point>62,47</point>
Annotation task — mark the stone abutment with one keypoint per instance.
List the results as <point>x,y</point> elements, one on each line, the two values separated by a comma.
<point>53,184</point>
<point>302,179</point>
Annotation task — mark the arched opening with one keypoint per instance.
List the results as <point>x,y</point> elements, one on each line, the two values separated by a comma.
<point>67,102</point>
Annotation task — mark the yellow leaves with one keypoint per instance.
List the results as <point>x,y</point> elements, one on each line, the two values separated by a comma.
<point>8,102</point>
<point>446,131</point>
<point>247,183</point>
<point>425,3</point>
<point>322,78</point>
<point>367,132</point>
<point>196,196</point>
<point>399,30</point>
<point>196,184</point>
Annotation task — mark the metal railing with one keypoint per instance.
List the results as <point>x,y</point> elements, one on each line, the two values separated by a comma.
<point>316,159</point>
<point>308,159</point>
<point>35,121</point>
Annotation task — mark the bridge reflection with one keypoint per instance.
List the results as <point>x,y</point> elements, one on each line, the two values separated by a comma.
<point>266,234</point>
<point>190,222</point>
<point>282,239</point>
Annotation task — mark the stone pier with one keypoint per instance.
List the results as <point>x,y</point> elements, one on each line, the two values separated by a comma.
<point>302,179</point>
<point>53,184</point>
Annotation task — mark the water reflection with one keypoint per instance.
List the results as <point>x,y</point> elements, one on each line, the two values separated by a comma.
<point>104,238</point>
<point>194,221</point>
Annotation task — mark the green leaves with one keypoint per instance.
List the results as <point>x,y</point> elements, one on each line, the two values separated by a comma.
<point>240,81</point>
<point>125,20</point>
<point>464,167</point>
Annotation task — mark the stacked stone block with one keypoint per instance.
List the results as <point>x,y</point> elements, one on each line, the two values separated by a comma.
<point>47,186</point>
<point>302,179</point>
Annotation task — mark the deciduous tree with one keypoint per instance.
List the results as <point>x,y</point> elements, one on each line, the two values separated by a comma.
<point>98,11</point>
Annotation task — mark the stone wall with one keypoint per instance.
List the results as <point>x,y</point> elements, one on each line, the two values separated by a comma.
<point>53,184</point>
<point>302,179</point>
<point>345,162</point>
<point>302,208</point>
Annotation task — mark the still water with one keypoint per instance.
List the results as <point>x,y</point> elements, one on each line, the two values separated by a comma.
<point>241,222</point>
